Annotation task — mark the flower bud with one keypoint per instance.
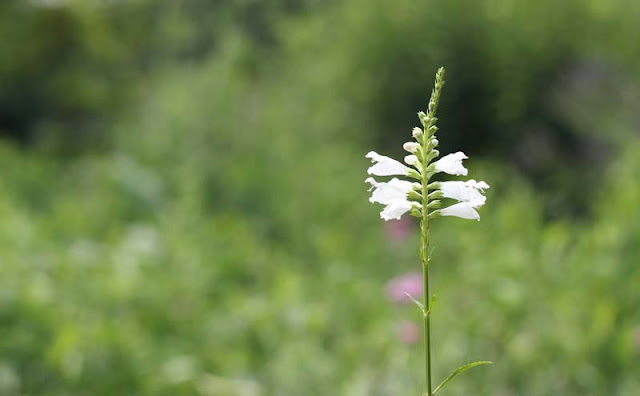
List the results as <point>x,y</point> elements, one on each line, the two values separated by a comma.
<point>417,133</point>
<point>412,160</point>
<point>413,194</point>
<point>411,147</point>
<point>422,116</point>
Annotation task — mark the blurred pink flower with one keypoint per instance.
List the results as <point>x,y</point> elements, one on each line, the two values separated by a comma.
<point>408,332</point>
<point>410,283</point>
<point>636,339</point>
<point>398,230</point>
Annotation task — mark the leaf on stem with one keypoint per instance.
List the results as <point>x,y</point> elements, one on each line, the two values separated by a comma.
<point>418,303</point>
<point>432,303</point>
<point>458,371</point>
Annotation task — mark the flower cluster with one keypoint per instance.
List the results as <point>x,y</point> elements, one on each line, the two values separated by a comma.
<point>402,196</point>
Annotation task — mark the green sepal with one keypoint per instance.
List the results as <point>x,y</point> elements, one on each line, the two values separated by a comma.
<point>431,155</point>
<point>431,168</point>
<point>414,174</point>
<point>433,143</point>
<point>414,195</point>
<point>434,204</point>
<point>417,164</point>
<point>459,370</point>
<point>435,195</point>
<point>416,213</point>
<point>423,118</point>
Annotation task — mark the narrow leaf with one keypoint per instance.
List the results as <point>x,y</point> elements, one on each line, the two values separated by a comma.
<point>418,303</point>
<point>458,371</point>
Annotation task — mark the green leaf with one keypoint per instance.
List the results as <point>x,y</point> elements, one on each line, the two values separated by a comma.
<point>432,303</point>
<point>458,371</point>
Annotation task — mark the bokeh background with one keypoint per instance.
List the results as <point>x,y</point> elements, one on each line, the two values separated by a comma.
<point>183,208</point>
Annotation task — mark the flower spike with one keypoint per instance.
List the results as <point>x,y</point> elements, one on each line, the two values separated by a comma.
<point>426,200</point>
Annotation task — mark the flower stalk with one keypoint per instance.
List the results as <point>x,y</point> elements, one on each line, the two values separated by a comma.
<point>423,199</point>
<point>428,145</point>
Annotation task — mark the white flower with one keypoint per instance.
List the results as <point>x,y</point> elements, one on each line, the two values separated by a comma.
<point>396,208</point>
<point>385,166</point>
<point>393,194</point>
<point>464,210</point>
<point>452,164</point>
<point>411,147</point>
<point>469,191</point>
<point>392,190</point>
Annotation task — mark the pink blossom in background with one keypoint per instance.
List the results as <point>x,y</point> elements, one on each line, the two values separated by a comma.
<point>398,230</point>
<point>636,339</point>
<point>410,283</point>
<point>408,332</point>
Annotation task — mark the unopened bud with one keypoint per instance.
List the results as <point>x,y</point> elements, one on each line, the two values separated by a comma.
<point>417,133</point>
<point>411,147</point>
<point>434,204</point>
<point>411,160</point>
<point>413,194</point>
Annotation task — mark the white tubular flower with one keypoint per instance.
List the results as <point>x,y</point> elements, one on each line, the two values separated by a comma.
<point>392,190</point>
<point>452,164</point>
<point>469,191</point>
<point>385,166</point>
<point>464,210</point>
<point>396,208</point>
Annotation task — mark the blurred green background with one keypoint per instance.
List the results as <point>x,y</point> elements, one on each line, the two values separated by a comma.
<point>183,208</point>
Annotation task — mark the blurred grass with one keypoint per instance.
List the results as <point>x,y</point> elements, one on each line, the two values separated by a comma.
<point>216,238</point>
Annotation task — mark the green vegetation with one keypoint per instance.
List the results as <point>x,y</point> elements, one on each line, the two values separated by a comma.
<point>183,212</point>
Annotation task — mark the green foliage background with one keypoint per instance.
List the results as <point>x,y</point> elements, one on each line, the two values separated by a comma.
<point>183,212</point>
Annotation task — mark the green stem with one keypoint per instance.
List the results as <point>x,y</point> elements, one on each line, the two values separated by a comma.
<point>424,253</point>
<point>424,223</point>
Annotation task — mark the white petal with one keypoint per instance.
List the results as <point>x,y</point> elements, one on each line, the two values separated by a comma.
<point>373,183</point>
<point>463,210</point>
<point>416,133</point>
<point>395,209</point>
<point>464,191</point>
<point>452,164</point>
<point>385,166</point>
<point>393,190</point>
<point>479,185</point>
